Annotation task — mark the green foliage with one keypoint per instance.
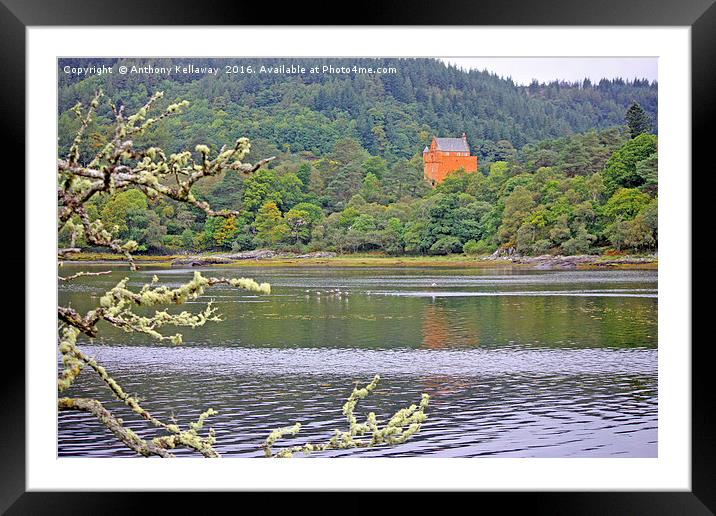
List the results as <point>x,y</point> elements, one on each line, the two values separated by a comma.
<point>267,186</point>
<point>518,206</point>
<point>304,175</point>
<point>475,247</point>
<point>639,233</point>
<point>637,120</point>
<point>271,228</point>
<point>580,243</point>
<point>648,170</point>
<point>625,204</point>
<point>124,210</point>
<point>632,165</point>
<point>551,156</point>
<point>301,219</point>
<point>225,232</point>
<point>446,245</point>
<point>371,189</point>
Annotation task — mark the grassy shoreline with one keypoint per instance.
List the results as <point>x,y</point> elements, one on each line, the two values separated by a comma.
<point>365,260</point>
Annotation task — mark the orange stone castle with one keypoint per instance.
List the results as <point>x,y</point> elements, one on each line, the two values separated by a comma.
<point>446,155</point>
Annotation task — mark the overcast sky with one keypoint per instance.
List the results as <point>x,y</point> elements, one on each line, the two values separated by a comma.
<point>571,69</point>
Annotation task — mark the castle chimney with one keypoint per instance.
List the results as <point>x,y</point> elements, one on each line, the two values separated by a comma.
<point>464,136</point>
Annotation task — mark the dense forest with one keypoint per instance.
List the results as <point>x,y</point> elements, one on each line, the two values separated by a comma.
<point>564,168</point>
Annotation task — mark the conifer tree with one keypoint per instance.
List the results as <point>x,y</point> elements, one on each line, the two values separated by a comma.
<point>638,120</point>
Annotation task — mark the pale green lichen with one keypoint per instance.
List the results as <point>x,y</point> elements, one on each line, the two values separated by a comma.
<point>116,307</point>
<point>191,437</point>
<point>399,428</point>
<point>74,154</point>
<point>73,366</point>
<point>176,108</point>
<point>251,285</point>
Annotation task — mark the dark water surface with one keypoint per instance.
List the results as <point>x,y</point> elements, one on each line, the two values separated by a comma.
<point>518,363</point>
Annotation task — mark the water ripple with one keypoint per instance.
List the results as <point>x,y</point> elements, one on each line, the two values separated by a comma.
<point>473,362</point>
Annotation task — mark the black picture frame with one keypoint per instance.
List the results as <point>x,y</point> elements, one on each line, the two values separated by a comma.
<point>700,15</point>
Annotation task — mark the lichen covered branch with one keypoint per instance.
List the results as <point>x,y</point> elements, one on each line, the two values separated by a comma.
<point>81,274</point>
<point>402,425</point>
<point>124,434</point>
<point>120,165</point>
<point>116,307</point>
<point>75,360</point>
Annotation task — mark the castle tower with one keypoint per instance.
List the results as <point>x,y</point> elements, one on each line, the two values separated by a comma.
<point>446,155</point>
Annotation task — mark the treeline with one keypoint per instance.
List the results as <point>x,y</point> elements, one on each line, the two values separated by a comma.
<point>391,115</point>
<point>561,169</point>
<point>585,193</point>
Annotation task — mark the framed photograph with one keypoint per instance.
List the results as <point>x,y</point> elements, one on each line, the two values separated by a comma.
<point>433,252</point>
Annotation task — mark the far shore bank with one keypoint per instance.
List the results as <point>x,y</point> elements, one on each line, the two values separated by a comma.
<point>263,258</point>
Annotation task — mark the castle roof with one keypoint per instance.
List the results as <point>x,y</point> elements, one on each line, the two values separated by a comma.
<point>452,144</point>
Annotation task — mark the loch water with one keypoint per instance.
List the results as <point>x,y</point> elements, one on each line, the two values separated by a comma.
<point>517,362</point>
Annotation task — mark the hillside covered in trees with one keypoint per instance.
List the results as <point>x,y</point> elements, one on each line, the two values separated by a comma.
<point>563,169</point>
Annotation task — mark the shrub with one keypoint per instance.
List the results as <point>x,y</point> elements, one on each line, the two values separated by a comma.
<point>243,242</point>
<point>541,246</point>
<point>474,247</point>
<point>581,243</point>
<point>446,245</point>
